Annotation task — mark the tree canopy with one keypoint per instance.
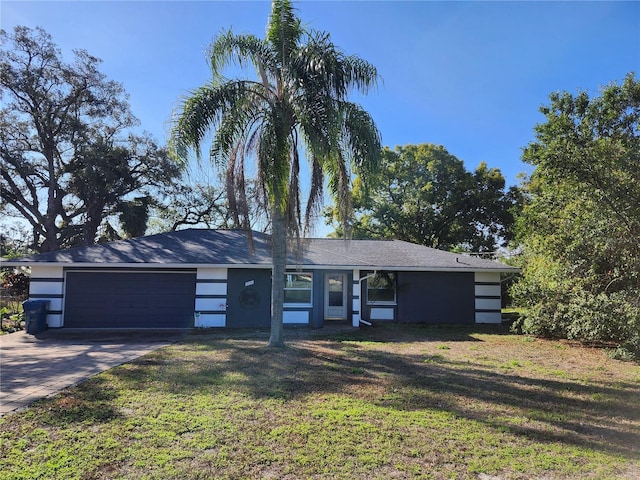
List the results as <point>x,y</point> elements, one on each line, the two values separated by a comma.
<point>68,155</point>
<point>295,105</point>
<point>423,194</point>
<point>580,227</point>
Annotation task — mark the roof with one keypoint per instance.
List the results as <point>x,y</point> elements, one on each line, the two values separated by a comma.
<point>198,248</point>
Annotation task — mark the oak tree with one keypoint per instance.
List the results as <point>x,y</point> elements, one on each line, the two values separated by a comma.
<point>424,194</point>
<point>69,157</point>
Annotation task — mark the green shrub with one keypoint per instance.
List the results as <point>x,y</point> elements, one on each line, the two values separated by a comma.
<point>559,309</point>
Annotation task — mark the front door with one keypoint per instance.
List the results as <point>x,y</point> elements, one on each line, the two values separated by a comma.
<point>335,296</point>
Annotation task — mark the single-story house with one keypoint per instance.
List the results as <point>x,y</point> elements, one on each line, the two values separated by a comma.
<point>212,278</point>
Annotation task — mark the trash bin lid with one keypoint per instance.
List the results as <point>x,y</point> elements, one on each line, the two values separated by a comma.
<point>34,305</point>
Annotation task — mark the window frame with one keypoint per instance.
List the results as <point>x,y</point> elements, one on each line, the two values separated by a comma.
<point>310,289</point>
<point>370,302</point>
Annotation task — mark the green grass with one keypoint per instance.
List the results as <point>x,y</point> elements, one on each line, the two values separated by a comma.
<point>392,402</point>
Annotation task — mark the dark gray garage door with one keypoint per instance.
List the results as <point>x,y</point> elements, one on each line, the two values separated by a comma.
<point>129,299</point>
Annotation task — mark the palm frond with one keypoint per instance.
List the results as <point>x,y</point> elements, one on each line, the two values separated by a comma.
<point>320,64</point>
<point>234,126</point>
<point>340,189</point>
<point>314,199</point>
<point>362,138</point>
<point>230,49</point>
<point>360,74</point>
<point>200,112</point>
<point>283,31</point>
<point>273,152</point>
<point>293,200</point>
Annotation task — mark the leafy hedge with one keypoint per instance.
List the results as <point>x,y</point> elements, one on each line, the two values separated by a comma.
<point>580,225</point>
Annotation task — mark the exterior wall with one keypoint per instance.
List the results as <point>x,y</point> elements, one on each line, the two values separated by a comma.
<point>296,317</point>
<point>436,297</point>
<point>422,297</point>
<point>47,283</point>
<point>212,294</point>
<point>314,315</point>
<point>211,297</point>
<point>248,298</point>
<point>488,300</point>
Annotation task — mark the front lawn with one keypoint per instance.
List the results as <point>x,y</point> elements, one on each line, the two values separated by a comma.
<point>387,402</point>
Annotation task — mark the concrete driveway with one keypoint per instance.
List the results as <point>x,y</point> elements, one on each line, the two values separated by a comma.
<point>36,366</point>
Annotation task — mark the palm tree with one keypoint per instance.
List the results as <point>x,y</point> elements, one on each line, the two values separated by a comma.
<point>296,105</point>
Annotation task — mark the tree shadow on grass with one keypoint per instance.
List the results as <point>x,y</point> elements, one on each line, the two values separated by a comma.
<point>540,409</point>
<point>396,332</point>
<point>601,415</point>
<point>89,402</point>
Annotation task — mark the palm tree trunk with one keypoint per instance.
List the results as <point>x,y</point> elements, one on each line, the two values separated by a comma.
<point>279,258</point>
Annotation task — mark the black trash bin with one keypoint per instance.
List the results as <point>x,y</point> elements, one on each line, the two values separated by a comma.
<point>35,315</point>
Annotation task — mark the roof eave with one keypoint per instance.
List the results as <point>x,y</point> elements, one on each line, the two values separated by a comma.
<point>91,265</point>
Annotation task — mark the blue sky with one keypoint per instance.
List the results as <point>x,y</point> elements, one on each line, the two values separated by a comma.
<point>467,75</point>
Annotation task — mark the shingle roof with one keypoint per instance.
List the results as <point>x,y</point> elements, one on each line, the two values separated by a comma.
<point>195,247</point>
<point>391,253</point>
<point>190,246</point>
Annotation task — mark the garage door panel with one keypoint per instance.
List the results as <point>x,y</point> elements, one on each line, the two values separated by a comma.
<point>129,300</point>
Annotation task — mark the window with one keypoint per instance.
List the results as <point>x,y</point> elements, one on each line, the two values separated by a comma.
<point>381,289</point>
<point>297,288</point>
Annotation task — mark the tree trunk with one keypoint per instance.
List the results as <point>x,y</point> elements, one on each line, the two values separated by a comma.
<point>279,258</point>
<point>51,242</point>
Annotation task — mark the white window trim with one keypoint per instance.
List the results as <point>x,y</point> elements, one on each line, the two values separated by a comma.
<point>292,305</point>
<point>385,302</point>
